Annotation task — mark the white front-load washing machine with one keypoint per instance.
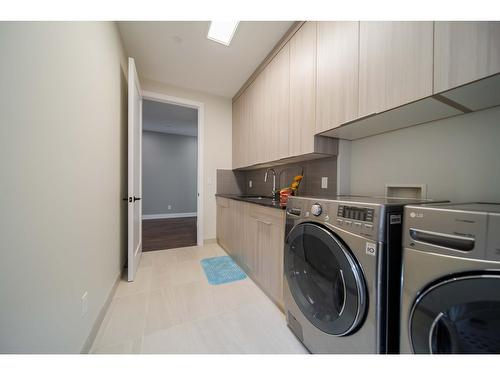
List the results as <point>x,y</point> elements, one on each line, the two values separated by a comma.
<point>451,279</point>
<point>342,272</point>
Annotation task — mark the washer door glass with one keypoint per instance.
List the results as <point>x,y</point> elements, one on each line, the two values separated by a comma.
<point>459,315</point>
<point>324,279</point>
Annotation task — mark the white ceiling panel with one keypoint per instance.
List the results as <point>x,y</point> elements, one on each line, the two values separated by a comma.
<point>178,52</point>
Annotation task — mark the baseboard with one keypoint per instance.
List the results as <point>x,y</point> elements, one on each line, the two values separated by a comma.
<point>209,241</point>
<point>168,216</point>
<point>100,317</point>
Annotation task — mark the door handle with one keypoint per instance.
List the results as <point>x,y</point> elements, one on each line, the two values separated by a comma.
<point>450,241</point>
<point>130,199</point>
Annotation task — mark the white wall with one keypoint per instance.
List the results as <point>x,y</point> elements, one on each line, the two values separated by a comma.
<point>63,112</point>
<point>169,173</point>
<point>217,141</point>
<point>458,158</point>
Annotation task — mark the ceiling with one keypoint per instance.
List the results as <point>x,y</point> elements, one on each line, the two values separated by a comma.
<point>169,118</point>
<point>178,52</point>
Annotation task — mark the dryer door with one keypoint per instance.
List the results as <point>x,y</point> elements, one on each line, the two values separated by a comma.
<point>458,315</point>
<point>324,279</point>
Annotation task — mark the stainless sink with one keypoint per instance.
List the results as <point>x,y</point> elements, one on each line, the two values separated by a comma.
<point>258,198</point>
<point>255,197</point>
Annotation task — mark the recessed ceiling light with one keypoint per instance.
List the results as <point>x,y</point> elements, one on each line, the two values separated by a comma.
<point>222,31</point>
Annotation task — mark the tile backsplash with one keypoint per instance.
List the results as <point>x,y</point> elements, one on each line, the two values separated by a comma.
<point>238,182</point>
<point>230,182</point>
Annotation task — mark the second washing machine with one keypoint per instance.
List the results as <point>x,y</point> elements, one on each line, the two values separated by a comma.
<point>451,279</point>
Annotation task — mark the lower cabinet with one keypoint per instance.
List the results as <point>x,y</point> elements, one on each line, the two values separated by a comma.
<point>236,225</point>
<point>223,222</point>
<point>253,236</point>
<point>265,229</point>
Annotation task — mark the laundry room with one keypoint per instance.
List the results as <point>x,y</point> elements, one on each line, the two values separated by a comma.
<point>209,192</point>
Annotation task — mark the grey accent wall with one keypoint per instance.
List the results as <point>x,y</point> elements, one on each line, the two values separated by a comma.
<point>237,182</point>
<point>169,173</point>
<point>458,158</point>
<point>63,154</point>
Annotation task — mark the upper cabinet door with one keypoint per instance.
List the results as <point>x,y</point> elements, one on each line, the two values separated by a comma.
<point>241,118</point>
<point>303,90</point>
<point>465,52</point>
<point>248,142</point>
<point>277,104</point>
<point>259,153</point>
<point>395,64</point>
<point>237,132</point>
<point>337,74</point>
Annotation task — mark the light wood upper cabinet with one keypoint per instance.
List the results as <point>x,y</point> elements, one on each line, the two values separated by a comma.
<point>395,64</point>
<point>261,115</point>
<point>465,52</point>
<point>242,116</point>
<point>238,136</point>
<point>302,90</point>
<point>337,74</point>
<point>277,105</point>
<point>258,151</point>
<point>249,117</point>
<point>274,118</point>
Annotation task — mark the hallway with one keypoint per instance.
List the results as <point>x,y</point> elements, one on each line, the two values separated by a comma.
<point>161,234</point>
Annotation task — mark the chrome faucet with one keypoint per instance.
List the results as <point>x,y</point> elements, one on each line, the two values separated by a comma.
<point>274,181</point>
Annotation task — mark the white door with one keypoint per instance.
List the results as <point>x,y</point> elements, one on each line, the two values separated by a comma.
<point>134,170</point>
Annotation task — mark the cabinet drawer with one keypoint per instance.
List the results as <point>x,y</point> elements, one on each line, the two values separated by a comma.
<point>266,213</point>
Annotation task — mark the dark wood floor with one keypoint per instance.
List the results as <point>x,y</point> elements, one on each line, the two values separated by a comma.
<point>160,234</point>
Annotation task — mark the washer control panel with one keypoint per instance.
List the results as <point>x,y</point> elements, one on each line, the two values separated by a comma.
<point>356,213</point>
<point>355,217</point>
<point>358,218</point>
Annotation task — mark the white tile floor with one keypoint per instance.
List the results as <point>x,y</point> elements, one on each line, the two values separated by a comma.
<point>171,308</point>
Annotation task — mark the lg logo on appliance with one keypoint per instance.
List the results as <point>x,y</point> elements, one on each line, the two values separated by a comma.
<point>417,215</point>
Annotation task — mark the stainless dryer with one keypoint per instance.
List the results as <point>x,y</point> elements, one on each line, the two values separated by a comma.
<point>342,273</point>
<point>451,279</point>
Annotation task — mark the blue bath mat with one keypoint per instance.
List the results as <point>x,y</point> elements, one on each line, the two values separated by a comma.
<point>222,270</point>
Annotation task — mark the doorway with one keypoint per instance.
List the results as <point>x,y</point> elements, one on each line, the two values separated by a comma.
<point>171,209</point>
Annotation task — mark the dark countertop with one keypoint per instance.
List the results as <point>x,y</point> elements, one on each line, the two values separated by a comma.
<point>260,200</point>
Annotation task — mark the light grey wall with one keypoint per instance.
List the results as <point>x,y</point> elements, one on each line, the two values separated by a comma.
<point>344,167</point>
<point>63,127</point>
<point>458,158</point>
<point>169,173</point>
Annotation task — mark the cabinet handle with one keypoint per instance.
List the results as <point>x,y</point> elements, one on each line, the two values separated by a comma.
<point>263,222</point>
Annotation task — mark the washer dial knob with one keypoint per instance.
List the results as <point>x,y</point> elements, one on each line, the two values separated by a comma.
<point>316,209</point>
